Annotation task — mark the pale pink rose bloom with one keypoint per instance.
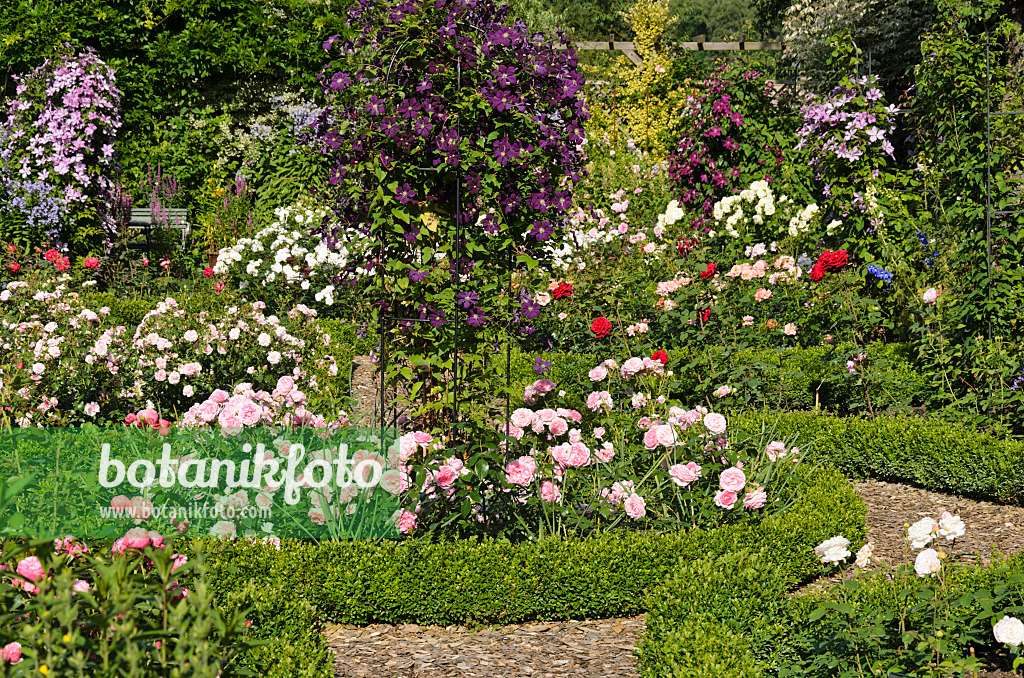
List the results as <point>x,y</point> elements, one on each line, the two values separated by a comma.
<point>635,507</point>
<point>723,391</point>
<point>682,475</point>
<point>605,453</point>
<point>579,455</point>
<point>748,320</point>
<point>522,417</point>
<point>550,493</point>
<point>653,366</point>
<point>725,499</point>
<point>80,586</point>
<point>732,480</point>
<point>285,385</point>
<point>208,411</point>
<point>714,423</point>
<point>665,435</point>
<point>558,426</point>
<point>544,386</point>
<point>542,298</point>
<point>546,415</point>
<point>516,432</point>
<point>160,375</point>
<point>120,503</point>
<point>598,373</point>
<point>219,396</point>
<point>11,652</point>
<point>30,568</point>
<point>755,499</point>
<point>573,415</point>
<point>563,316</point>
<point>519,473</point>
<point>776,450</point>
<point>446,476</point>
<point>560,453</point>
<point>391,482</point>
<point>406,522</point>
<point>762,294</point>
<point>789,330</point>
<point>631,367</point>
<point>140,508</point>
<point>316,516</point>
<point>136,538</point>
<point>92,409</point>
<point>927,563</point>
<point>264,500</point>
<point>223,529</point>
<point>651,438</point>
<point>406,447</point>
<point>930,295</point>
<point>250,413</point>
<point>574,435</point>
<point>422,438</point>
<point>599,432</point>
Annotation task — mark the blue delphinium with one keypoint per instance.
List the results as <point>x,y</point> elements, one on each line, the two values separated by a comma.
<point>880,273</point>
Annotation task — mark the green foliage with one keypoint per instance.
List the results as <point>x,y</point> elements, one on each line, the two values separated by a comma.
<point>494,582</point>
<point>926,452</point>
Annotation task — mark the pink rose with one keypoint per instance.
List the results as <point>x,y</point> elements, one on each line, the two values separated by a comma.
<point>422,438</point>
<point>219,396</point>
<point>550,493</point>
<point>148,416</point>
<point>789,330</point>
<point>120,504</point>
<point>522,417</point>
<point>558,426</point>
<point>391,482</point>
<point>285,385</point>
<point>223,529</point>
<point>250,413</point>
<point>930,296</point>
<point>776,450</point>
<point>560,453</point>
<point>651,438</point>
<point>546,415</point>
<point>406,522</point>
<point>631,367</point>
<point>11,653</point>
<point>30,568</point>
<point>732,480</point>
<point>520,471</point>
<point>635,507</point>
<point>762,295</point>
<point>683,475</point>
<point>665,435</point>
<point>264,500</point>
<point>598,373</point>
<point>579,455</point>
<point>80,586</point>
<point>446,476</point>
<point>755,498</point>
<point>714,423</point>
<point>178,561</point>
<point>406,447</point>
<point>725,499</point>
<point>208,410</point>
<point>605,453</point>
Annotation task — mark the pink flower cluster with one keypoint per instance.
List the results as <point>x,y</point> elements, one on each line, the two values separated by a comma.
<point>247,407</point>
<point>537,390</point>
<point>555,421</point>
<point>639,366</point>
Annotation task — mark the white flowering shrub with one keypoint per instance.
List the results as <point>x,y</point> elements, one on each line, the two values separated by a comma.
<point>284,252</point>
<point>755,214</point>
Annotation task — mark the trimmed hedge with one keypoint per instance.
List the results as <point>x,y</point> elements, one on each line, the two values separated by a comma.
<point>933,454</point>
<point>292,591</point>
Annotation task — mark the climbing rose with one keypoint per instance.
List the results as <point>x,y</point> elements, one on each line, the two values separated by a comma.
<point>601,327</point>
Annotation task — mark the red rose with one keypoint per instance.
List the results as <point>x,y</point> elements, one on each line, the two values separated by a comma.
<point>705,314</point>
<point>833,261</point>
<point>563,290</point>
<point>14,267</point>
<point>11,248</point>
<point>53,256</point>
<point>684,246</point>
<point>817,272</point>
<point>709,273</point>
<point>208,272</point>
<point>661,357</point>
<point>91,262</point>
<point>601,327</point>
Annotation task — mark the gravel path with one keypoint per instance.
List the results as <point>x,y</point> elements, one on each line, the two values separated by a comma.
<point>604,649</point>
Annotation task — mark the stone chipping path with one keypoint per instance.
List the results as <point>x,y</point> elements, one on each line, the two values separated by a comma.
<point>604,648</point>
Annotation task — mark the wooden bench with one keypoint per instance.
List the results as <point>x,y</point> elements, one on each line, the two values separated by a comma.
<point>177,218</point>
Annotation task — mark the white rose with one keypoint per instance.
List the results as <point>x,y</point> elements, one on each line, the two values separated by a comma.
<point>927,563</point>
<point>864,555</point>
<point>921,533</point>
<point>833,550</point>
<point>1010,631</point>
<point>950,526</point>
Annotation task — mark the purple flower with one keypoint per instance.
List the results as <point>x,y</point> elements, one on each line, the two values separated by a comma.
<point>375,106</point>
<point>477,317</point>
<point>467,299</point>
<point>417,276</point>
<point>530,309</point>
<point>541,366</point>
<point>406,194</point>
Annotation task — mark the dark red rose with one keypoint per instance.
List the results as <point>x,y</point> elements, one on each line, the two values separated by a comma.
<point>685,246</point>
<point>601,327</point>
<point>563,290</point>
<point>817,272</point>
<point>705,314</point>
<point>661,357</point>
<point>709,273</point>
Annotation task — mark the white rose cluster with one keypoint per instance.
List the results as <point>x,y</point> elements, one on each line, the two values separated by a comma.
<point>285,251</point>
<point>834,550</point>
<point>570,252</point>
<point>801,222</point>
<point>673,213</point>
<point>758,205</point>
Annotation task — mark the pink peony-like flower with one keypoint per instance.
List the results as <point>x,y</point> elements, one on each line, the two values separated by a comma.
<point>598,373</point>
<point>11,652</point>
<point>665,434</point>
<point>579,455</point>
<point>422,438</point>
<point>522,417</point>
<point>219,396</point>
<point>725,499</point>
<point>285,385</point>
<point>732,480</point>
<point>250,413</point>
<point>550,493</point>
<point>558,426</point>
<point>391,482</point>
<point>520,471</point>
<point>714,423</point>
<point>776,450</point>
<point>682,475</point>
<point>30,568</point>
<point>651,438</point>
<point>446,477</point>
<point>927,563</point>
<point>930,296</point>
<point>208,411</point>
<point>632,367</point>
<point>406,522</point>
<point>755,498</point>
<point>762,295</point>
<point>789,330</point>
<point>636,507</point>
<point>81,586</point>
<point>605,453</point>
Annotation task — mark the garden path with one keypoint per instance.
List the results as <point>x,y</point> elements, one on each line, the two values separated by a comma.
<point>604,648</point>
